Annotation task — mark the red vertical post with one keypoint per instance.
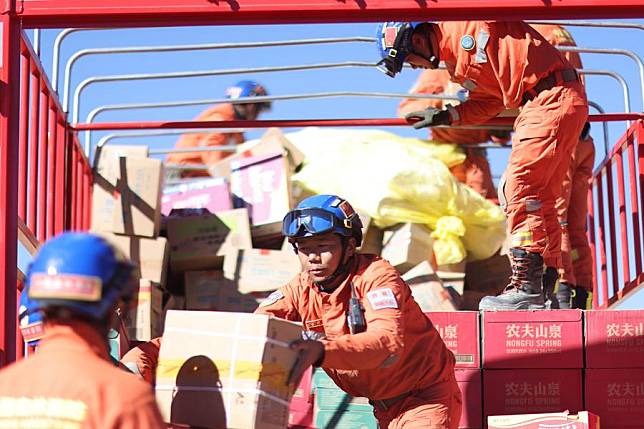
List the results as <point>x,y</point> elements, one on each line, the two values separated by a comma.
<point>9,134</point>
<point>59,186</point>
<point>593,246</point>
<point>23,141</point>
<point>33,154</point>
<point>602,240</point>
<point>42,167</point>
<point>79,189</point>
<point>51,172</point>
<point>610,199</point>
<point>88,197</point>
<point>621,201</point>
<point>635,207</point>
<point>639,137</point>
<point>72,185</point>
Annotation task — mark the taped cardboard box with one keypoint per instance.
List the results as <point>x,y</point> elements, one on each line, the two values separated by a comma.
<point>142,320</point>
<point>210,290</point>
<point>407,245</point>
<point>262,185</point>
<point>106,159</point>
<point>271,142</point>
<point>225,370</point>
<point>132,205</point>
<point>614,339</point>
<point>453,276</point>
<point>565,420</point>
<point>260,270</point>
<point>212,194</point>
<point>460,333</point>
<point>200,242</point>
<point>151,255</point>
<point>427,289</point>
<point>617,395</point>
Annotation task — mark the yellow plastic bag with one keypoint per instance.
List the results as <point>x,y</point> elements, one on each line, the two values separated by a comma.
<point>395,180</point>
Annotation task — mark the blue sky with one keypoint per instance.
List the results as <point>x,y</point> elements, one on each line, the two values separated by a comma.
<point>602,90</point>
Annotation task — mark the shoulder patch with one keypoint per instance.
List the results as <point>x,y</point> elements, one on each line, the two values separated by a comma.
<point>272,298</point>
<point>467,42</point>
<point>382,298</point>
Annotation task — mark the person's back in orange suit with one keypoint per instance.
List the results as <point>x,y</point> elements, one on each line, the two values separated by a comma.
<point>76,282</point>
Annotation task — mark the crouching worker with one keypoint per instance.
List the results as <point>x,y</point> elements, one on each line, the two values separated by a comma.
<point>364,328</point>
<point>75,284</point>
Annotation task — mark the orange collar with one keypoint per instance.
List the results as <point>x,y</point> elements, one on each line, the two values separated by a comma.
<point>74,336</point>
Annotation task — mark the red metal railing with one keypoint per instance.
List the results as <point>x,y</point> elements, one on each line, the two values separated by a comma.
<point>54,176</point>
<point>616,221</point>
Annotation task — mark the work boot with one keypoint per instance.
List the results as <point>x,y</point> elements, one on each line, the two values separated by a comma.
<point>550,277</point>
<point>525,291</point>
<point>565,292</point>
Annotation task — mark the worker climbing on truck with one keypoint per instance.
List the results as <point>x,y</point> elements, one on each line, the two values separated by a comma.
<point>506,65</point>
<point>219,112</point>
<point>75,285</point>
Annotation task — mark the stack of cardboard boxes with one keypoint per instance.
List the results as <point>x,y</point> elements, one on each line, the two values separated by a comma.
<point>126,210</point>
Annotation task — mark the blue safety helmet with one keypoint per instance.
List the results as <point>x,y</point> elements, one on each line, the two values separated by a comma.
<point>81,272</point>
<point>394,44</point>
<point>248,88</point>
<point>320,214</point>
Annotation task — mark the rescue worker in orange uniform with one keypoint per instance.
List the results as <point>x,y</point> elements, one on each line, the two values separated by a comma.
<point>75,282</point>
<point>506,65</point>
<point>576,282</point>
<point>363,326</point>
<point>475,170</point>
<point>219,112</point>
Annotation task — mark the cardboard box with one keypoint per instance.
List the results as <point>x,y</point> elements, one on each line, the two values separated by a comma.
<point>302,399</point>
<point>453,276</point>
<point>407,245</point>
<point>617,396</point>
<point>106,159</point>
<point>212,194</point>
<point>522,391</point>
<point>200,242</point>
<point>532,339</point>
<point>322,380</point>
<point>262,185</point>
<point>132,205</point>
<point>210,290</point>
<point>469,382</point>
<point>335,408</point>
<point>614,339</point>
<point>142,320</point>
<point>273,141</point>
<point>460,332</point>
<point>301,419</point>
<point>345,420</point>
<point>260,270</point>
<point>427,289</point>
<point>372,236</point>
<point>582,420</point>
<point>150,254</point>
<point>228,370</point>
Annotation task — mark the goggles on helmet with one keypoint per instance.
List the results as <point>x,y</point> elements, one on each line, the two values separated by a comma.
<point>315,221</point>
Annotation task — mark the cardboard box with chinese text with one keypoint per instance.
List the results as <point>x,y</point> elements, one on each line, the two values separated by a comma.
<point>565,420</point>
<point>460,333</point>
<point>212,194</point>
<point>532,339</point>
<point>614,339</point>
<point>469,382</point>
<point>617,396</point>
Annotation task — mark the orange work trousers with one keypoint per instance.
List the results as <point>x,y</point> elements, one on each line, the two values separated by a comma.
<point>475,172</point>
<point>572,209</point>
<point>436,407</point>
<point>546,133</point>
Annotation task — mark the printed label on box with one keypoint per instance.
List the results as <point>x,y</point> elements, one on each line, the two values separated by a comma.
<point>615,339</point>
<point>460,333</point>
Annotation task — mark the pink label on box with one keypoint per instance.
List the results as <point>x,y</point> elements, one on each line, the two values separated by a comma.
<point>617,396</point>
<point>260,183</point>
<point>211,194</point>
<point>527,391</point>
<point>532,339</point>
<point>469,382</point>
<point>615,339</point>
<point>460,332</point>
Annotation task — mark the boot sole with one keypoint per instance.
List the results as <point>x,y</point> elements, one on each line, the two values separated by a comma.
<point>518,306</point>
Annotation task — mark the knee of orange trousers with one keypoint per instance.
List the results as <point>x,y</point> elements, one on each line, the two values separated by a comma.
<point>429,416</point>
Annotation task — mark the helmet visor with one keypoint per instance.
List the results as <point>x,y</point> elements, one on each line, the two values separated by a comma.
<point>313,220</point>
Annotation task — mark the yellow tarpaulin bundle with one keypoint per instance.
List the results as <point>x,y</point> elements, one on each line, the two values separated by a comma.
<point>395,179</point>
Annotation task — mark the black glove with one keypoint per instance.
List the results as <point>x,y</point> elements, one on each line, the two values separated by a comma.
<point>429,118</point>
<point>585,131</point>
